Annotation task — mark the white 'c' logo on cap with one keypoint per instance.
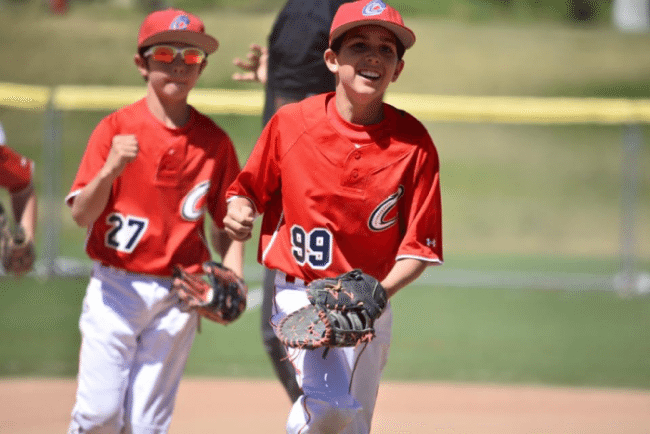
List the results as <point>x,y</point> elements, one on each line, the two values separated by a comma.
<point>375,7</point>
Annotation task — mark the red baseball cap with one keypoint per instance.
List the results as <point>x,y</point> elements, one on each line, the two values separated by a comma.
<point>174,25</point>
<point>365,12</point>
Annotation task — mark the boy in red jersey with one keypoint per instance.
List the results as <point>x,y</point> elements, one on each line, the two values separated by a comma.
<point>150,172</point>
<point>17,177</point>
<point>291,69</point>
<point>344,181</point>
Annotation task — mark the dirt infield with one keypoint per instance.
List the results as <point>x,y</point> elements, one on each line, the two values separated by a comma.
<point>43,407</point>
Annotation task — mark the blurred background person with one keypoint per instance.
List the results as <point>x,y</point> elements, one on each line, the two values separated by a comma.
<point>291,68</point>
<point>17,177</point>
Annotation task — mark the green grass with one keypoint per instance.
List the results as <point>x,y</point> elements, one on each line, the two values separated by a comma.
<point>536,189</point>
<point>587,11</point>
<point>95,43</point>
<point>38,325</point>
<point>491,335</point>
<point>517,336</point>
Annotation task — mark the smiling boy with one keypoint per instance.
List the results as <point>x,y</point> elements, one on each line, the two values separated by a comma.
<point>344,181</point>
<point>150,172</point>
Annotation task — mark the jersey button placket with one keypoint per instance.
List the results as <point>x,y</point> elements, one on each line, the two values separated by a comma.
<point>355,172</point>
<point>170,165</point>
<point>353,168</point>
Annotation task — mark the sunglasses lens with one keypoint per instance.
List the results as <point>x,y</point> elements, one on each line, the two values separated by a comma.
<point>163,54</point>
<point>192,56</point>
<point>166,54</point>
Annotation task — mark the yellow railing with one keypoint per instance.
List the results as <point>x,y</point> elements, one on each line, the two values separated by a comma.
<point>514,110</point>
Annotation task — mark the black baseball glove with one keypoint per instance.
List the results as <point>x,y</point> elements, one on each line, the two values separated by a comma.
<point>342,313</point>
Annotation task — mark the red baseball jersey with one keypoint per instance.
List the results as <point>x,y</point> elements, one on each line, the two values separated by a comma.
<point>155,214</point>
<point>16,171</point>
<point>338,196</point>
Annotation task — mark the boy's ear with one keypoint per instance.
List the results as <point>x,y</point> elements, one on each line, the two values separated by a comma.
<point>141,64</point>
<point>398,71</point>
<point>331,60</point>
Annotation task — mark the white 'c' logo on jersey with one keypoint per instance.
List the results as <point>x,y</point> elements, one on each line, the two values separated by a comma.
<point>377,221</point>
<point>193,204</point>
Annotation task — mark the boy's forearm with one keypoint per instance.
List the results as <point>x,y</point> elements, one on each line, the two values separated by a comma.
<point>25,211</point>
<point>404,272</point>
<point>230,251</point>
<point>91,201</point>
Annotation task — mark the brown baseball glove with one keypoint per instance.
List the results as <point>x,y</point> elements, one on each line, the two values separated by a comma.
<point>218,293</point>
<point>342,313</point>
<point>17,253</point>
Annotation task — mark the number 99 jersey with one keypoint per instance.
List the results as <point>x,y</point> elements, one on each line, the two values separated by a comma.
<point>337,196</point>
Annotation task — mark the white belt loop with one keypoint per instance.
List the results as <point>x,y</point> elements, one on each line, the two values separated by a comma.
<point>282,279</point>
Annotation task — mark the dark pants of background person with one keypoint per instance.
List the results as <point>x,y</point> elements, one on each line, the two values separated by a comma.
<point>283,367</point>
<point>274,348</point>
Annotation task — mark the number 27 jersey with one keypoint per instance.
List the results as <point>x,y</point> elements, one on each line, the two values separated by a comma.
<point>337,196</point>
<point>154,217</point>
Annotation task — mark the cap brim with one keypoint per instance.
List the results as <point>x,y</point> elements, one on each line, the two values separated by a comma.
<point>200,40</point>
<point>405,35</point>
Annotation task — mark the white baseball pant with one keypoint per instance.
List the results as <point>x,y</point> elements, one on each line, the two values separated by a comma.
<point>340,390</point>
<point>135,342</point>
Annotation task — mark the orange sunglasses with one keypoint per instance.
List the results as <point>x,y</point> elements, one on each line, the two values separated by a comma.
<point>167,54</point>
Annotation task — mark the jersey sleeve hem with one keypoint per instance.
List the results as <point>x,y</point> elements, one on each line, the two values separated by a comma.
<point>430,261</point>
<point>256,213</point>
<point>70,197</point>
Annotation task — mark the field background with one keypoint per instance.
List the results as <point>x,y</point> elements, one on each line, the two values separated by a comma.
<point>532,214</point>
